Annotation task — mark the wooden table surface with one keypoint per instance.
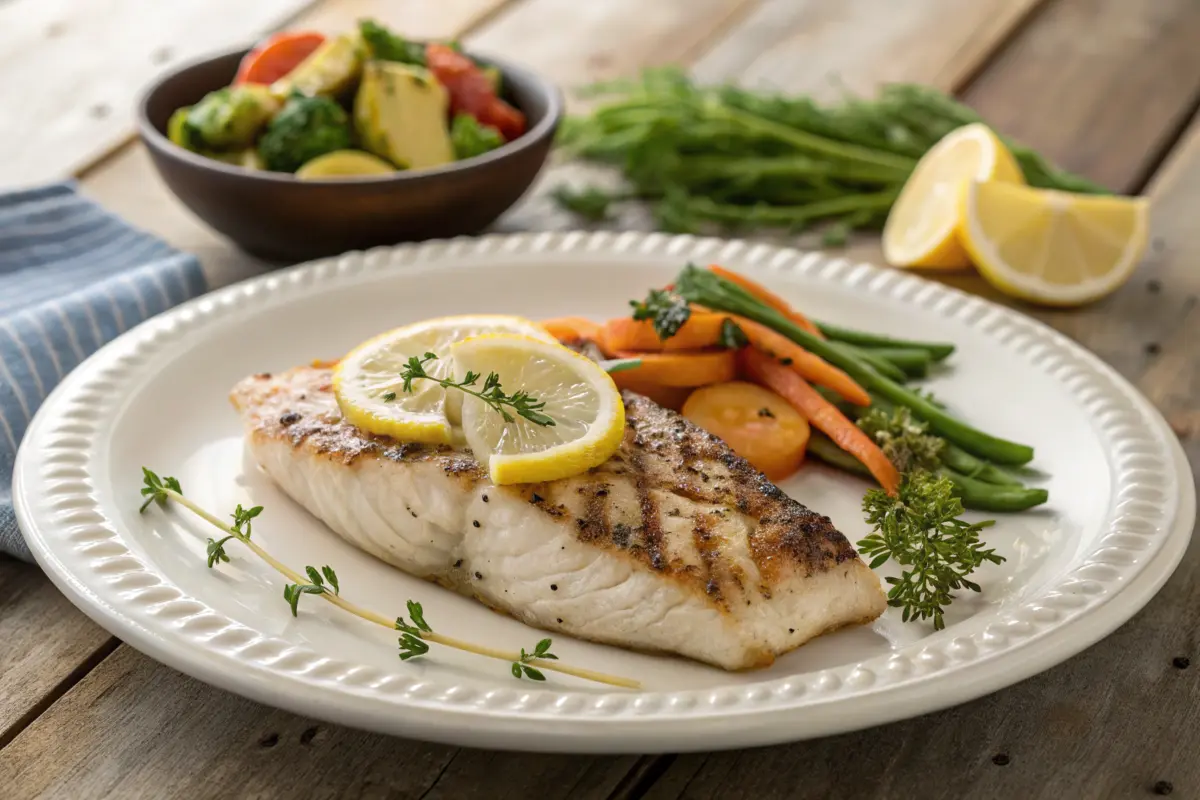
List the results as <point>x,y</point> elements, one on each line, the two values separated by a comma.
<point>1108,88</point>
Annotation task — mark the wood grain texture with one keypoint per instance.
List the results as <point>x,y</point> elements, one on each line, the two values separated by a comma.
<point>579,42</point>
<point>1100,86</point>
<point>135,729</point>
<point>822,47</point>
<point>83,65</point>
<point>44,643</point>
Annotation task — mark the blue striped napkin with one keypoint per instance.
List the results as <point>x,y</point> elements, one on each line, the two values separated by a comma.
<point>72,277</point>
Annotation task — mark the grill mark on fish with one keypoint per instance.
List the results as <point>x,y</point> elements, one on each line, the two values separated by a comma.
<point>702,538</point>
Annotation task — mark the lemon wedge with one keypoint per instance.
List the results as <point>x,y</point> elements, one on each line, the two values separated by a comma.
<point>579,396</point>
<point>1052,247</point>
<point>370,391</point>
<point>922,229</point>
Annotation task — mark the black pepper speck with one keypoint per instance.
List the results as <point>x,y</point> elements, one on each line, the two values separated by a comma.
<point>485,498</point>
<point>458,563</point>
<point>560,620</point>
<point>290,418</point>
<point>1001,760</point>
<point>1153,348</point>
<point>1164,787</point>
<point>1153,286</point>
<point>478,576</point>
<point>554,587</point>
<point>1181,662</point>
<point>475,522</point>
<point>537,498</point>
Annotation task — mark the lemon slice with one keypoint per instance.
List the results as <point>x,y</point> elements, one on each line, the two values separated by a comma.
<point>370,391</point>
<point>922,227</point>
<point>581,398</point>
<point>344,164</point>
<point>1052,247</point>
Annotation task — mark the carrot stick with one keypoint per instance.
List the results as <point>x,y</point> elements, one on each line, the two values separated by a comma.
<point>572,329</point>
<point>679,369</point>
<point>700,331</point>
<point>770,298</point>
<point>821,413</point>
<point>807,365</point>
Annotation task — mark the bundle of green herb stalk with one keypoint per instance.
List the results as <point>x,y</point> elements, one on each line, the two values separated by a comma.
<point>741,159</point>
<point>945,464</point>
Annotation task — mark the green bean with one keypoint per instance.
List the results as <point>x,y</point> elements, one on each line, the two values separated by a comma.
<point>913,360</point>
<point>975,494</point>
<point>881,365</point>
<point>938,351</point>
<point>980,496</point>
<point>964,463</point>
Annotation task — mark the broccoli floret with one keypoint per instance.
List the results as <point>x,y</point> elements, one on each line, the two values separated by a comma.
<point>472,138</point>
<point>305,128</point>
<point>228,118</point>
<point>384,45</point>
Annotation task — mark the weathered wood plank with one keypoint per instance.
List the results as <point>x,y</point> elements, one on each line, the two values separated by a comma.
<point>82,66</point>
<point>46,645</point>
<point>1111,722</point>
<point>1101,86</point>
<point>577,43</point>
<point>812,46</point>
<point>136,729</point>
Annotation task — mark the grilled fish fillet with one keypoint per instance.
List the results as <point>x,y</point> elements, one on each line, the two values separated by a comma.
<point>675,544</point>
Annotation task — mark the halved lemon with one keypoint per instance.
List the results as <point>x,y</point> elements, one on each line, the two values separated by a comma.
<point>570,389</point>
<point>1052,247</point>
<point>922,227</point>
<point>370,390</point>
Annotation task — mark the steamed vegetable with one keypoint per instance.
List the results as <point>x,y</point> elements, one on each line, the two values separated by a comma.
<point>329,70</point>
<point>306,127</point>
<point>707,289</point>
<point>227,119</point>
<point>471,138</point>
<point>757,424</point>
<point>384,45</point>
<point>681,369</point>
<point>276,56</point>
<point>471,92</point>
<point>400,111</point>
<point>823,415</point>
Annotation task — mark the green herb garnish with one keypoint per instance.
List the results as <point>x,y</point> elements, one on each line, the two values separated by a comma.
<point>521,665</point>
<point>323,583</point>
<point>491,393</point>
<point>919,528</point>
<point>667,310</point>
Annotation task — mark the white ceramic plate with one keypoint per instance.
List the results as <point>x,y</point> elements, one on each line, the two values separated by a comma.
<point>1121,510</point>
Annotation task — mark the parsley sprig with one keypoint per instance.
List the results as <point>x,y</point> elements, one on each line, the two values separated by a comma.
<point>492,393</point>
<point>417,634</point>
<point>919,528</point>
<point>667,310</point>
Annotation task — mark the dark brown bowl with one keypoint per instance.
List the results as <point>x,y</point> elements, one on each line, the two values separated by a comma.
<point>276,216</point>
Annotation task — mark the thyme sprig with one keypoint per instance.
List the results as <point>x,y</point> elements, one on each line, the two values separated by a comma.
<point>417,634</point>
<point>491,393</point>
<point>521,666</point>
